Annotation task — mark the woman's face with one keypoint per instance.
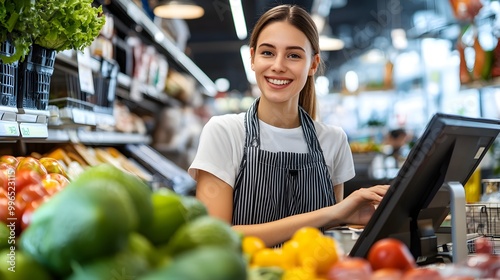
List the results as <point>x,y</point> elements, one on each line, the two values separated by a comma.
<point>282,60</point>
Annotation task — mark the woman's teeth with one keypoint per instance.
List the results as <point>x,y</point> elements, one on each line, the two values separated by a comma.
<point>278,82</point>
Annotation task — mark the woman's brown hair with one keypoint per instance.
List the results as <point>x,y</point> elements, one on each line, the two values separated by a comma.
<point>300,19</point>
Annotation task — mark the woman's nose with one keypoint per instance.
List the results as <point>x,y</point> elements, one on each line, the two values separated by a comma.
<point>279,64</point>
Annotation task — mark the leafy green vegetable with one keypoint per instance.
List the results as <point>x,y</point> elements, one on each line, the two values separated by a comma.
<point>67,24</point>
<point>17,26</point>
<point>53,24</point>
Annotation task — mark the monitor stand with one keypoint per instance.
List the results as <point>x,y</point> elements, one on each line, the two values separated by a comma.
<point>458,221</point>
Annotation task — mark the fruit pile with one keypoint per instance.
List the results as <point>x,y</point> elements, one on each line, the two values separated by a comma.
<point>27,182</point>
<point>310,255</point>
<point>109,224</point>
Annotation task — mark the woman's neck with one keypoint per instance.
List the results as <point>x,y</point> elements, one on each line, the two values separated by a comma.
<point>283,115</point>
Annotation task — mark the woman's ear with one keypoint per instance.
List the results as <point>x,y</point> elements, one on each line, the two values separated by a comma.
<point>314,65</point>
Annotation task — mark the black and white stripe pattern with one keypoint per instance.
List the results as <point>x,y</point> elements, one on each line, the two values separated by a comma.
<point>271,186</point>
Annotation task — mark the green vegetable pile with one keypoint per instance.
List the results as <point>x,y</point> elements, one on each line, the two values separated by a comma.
<point>108,224</point>
<point>53,24</point>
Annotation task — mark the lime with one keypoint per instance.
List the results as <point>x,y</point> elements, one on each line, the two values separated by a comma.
<point>138,190</point>
<point>203,263</point>
<point>203,231</point>
<point>194,207</point>
<point>169,214</point>
<point>140,245</point>
<point>17,265</point>
<point>80,223</point>
<point>123,265</point>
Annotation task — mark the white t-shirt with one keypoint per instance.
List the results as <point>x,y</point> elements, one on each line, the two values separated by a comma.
<point>222,141</point>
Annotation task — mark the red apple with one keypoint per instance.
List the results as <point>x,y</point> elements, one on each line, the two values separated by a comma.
<point>63,180</point>
<point>33,164</point>
<point>7,174</point>
<point>52,165</point>
<point>25,178</point>
<point>11,160</point>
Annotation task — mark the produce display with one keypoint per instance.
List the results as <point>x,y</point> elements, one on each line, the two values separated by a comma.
<point>107,223</point>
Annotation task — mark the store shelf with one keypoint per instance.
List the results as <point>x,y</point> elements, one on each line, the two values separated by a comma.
<point>96,137</point>
<point>166,171</point>
<point>133,15</point>
<point>37,133</point>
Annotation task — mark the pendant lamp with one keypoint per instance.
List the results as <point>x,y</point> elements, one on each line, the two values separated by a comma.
<point>179,9</point>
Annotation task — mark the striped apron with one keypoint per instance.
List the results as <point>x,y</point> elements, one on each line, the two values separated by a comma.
<point>274,185</point>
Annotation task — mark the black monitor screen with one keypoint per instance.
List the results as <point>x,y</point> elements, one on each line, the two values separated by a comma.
<point>449,150</point>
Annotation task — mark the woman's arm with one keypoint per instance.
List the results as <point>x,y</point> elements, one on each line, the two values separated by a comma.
<point>356,209</point>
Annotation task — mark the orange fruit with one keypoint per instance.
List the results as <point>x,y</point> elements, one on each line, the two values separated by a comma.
<point>252,244</point>
<point>268,257</point>
<point>319,254</point>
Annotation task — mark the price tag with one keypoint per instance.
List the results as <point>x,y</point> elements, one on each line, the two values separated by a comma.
<point>78,116</point>
<point>34,130</point>
<point>85,71</point>
<point>9,129</point>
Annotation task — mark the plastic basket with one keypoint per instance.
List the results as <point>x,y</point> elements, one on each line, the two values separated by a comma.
<point>35,73</point>
<point>105,87</point>
<point>8,75</point>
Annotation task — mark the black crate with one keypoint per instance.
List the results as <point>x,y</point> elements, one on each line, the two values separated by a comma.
<point>105,87</point>
<point>65,90</point>
<point>8,76</point>
<point>34,75</point>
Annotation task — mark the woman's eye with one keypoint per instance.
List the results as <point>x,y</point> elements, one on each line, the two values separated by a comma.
<point>293,55</point>
<point>266,53</point>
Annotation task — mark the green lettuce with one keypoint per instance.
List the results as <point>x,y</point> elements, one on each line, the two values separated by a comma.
<point>17,26</point>
<point>53,24</point>
<point>67,24</point>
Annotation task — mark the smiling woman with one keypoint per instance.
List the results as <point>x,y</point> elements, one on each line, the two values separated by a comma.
<point>275,169</point>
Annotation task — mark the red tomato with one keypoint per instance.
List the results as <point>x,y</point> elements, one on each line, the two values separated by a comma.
<point>484,245</point>
<point>390,253</point>
<point>28,211</point>
<point>387,274</point>
<point>422,274</point>
<point>350,268</point>
<point>25,178</point>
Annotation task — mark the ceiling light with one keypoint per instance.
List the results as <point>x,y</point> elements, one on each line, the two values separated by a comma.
<point>246,58</point>
<point>327,43</point>
<point>179,9</point>
<point>239,19</point>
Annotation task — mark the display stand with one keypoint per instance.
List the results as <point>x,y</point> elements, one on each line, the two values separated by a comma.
<point>458,221</point>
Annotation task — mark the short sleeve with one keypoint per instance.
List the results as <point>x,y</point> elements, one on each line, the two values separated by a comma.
<point>220,148</point>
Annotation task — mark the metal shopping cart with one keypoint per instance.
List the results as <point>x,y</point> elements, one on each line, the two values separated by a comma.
<point>483,220</point>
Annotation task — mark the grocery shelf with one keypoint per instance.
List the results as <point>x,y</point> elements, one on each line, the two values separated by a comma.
<point>166,172</point>
<point>128,10</point>
<point>91,137</point>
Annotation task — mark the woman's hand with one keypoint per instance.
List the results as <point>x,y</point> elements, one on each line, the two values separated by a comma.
<point>358,207</point>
